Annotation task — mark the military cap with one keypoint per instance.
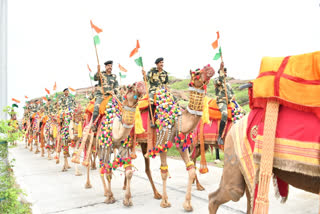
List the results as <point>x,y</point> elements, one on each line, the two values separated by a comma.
<point>108,62</point>
<point>66,89</point>
<point>158,60</point>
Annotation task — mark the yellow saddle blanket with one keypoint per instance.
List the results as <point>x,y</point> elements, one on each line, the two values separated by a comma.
<point>293,79</point>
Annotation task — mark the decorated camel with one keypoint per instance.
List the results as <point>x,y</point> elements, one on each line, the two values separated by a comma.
<point>174,128</point>
<point>277,137</point>
<point>115,124</point>
<point>206,134</point>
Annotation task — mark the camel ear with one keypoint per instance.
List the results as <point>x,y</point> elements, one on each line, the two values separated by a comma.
<point>190,73</point>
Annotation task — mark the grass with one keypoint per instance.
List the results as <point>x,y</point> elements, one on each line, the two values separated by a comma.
<point>210,157</point>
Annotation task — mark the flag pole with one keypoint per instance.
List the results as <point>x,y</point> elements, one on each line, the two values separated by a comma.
<point>147,91</point>
<point>100,75</point>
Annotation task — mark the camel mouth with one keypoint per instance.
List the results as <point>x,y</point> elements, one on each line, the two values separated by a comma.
<point>140,88</point>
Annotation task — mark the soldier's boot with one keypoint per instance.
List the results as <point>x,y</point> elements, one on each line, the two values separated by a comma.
<point>221,128</point>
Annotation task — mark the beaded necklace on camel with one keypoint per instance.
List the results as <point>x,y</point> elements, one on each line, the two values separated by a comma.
<point>167,113</point>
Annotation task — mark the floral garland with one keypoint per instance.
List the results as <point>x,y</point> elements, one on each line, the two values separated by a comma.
<point>105,137</point>
<point>183,142</point>
<point>166,113</point>
<point>159,149</point>
<point>35,122</point>
<point>118,162</point>
<point>48,146</point>
<point>65,126</point>
<point>237,112</point>
<point>167,110</point>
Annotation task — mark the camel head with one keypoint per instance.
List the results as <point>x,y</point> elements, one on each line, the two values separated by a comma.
<point>134,93</point>
<point>200,78</point>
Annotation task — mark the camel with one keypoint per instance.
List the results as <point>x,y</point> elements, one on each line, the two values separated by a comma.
<point>233,184</point>
<point>120,131</point>
<point>185,123</point>
<point>50,134</point>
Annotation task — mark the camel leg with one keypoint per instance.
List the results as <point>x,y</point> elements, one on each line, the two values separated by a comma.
<point>127,196</point>
<point>65,168</point>
<point>37,145</point>
<point>58,150</point>
<point>194,159</point>
<point>110,199</point>
<point>192,174</point>
<point>164,175</point>
<point>232,184</point>
<point>76,166</point>
<point>88,183</point>
<point>88,154</point>
<point>105,188</point>
<point>144,149</point>
<point>31,143</point>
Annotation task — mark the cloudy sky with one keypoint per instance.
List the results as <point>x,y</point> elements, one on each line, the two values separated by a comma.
<point>51,40</point>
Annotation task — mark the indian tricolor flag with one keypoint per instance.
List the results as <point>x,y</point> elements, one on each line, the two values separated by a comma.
<point>134,52</point>
<point>72,91</point>
<point>122,72</point>
<point>90,72</point>
<point>97,30</point>
<point>215,45</point>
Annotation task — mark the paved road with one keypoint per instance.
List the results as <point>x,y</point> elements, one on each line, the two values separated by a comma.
<point>52,191</point>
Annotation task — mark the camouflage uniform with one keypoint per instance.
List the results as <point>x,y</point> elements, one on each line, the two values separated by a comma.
<point>110,83</point>
<point>156,80</point>
<point>67,103</point>
<point>221,100</point>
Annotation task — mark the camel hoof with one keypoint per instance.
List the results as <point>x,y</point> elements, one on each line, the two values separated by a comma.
<point>187,206</point>
<point>75,160</point>
<point>50,158</point>
<point>127,202</point>
<point>157,196</point>
<point>64,170</point>
<point>110,200</point>
<point>78,174</point>
<point>165,204</point>
<point>200,188</point>
<point>57,161</point>
<point>69,167</point>
<point>42,155</point>
<point>124,187</point>
<point>85,163</point>
<point>37,152</point>
<point>88,186</point>
<point>93,168</point>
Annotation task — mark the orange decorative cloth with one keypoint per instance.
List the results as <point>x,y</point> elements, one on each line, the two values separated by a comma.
<point>293,80</point>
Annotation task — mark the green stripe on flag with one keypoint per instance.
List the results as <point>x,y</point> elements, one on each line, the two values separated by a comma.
<point>218,55</point>
<point>139,61</point>
<point>122,75</point>
<point>96,40</point>
<point>91,77</point>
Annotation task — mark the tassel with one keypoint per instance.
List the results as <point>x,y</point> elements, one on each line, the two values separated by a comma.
<point>138,127</point>
<point>203,163</point>
<point>80,129</point>
<point>205,114</point>
<point>54,131</point>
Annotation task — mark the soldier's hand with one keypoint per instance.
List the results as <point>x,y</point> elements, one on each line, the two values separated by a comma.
<point>98,68</point>
<point>222,66</point>
<point>143,72</point>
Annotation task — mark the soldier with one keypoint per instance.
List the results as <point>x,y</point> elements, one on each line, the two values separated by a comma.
<point>47,108</point>
<point>220,89</point>
<point>66,101</point>
<point>109,84</point>
<point>157,78</point>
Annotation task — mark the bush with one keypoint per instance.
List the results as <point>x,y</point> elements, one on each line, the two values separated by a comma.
<point>9,192</point>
